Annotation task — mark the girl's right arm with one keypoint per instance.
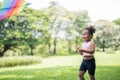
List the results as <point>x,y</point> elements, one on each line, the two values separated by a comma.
<point>78,50</point>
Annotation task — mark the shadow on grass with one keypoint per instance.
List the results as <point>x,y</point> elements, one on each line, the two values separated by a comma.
<point>60,73</point>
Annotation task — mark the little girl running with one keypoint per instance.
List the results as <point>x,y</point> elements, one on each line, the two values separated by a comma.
<point>87,51</point>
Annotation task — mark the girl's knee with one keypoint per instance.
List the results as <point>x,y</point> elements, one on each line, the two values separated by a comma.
<point>81,74</point>
<point>92,77</point>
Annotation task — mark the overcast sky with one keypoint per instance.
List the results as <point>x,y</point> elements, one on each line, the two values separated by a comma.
<point>97,9</point>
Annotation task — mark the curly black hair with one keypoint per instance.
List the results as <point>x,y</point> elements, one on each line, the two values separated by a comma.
<point>91,29</point>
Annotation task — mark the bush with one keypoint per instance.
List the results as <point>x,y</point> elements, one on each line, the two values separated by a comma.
<point>17,61</point>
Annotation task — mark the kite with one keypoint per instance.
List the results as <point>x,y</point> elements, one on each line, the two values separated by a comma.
<point>11,7</point>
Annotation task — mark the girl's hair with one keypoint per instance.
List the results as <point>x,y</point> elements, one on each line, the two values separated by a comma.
<point>91,29</point>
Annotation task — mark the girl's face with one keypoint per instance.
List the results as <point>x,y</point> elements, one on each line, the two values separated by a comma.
<point>86,35</point>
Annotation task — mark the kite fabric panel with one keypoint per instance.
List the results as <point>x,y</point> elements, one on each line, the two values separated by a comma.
<point>10,7</point>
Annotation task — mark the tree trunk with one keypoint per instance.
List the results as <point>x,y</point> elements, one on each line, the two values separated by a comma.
<point>6,47</point>
<point>31,49</point>
<point>55,41</point>
<point>69,45</point>
<point>49,45</point>
<point>1,54</point>
<point>103,48</point>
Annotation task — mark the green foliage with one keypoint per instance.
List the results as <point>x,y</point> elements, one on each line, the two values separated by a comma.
<point>117,21</point>
<point>107,35</point>
<point>18,61</point>
<point>23,30</point>
<point>35,28</point>
<point>42,31</point>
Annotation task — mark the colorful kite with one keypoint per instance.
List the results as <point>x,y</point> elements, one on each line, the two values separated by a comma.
<point>11,7</point>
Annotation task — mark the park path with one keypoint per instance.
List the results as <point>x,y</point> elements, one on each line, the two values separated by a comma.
<point>61,61</point>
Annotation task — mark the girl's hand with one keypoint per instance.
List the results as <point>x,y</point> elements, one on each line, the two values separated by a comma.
<point>80,49</point>
<point>77,47</point>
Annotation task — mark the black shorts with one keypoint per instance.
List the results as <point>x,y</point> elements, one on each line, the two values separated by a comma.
<point>89,65</point>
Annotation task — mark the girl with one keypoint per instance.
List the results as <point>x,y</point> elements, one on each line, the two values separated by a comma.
<point>87,51</point>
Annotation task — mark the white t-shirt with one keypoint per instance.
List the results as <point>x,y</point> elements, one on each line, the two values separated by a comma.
<point>86,46</point>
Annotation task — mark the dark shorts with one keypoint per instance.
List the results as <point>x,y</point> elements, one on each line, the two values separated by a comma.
<point>89,65</point>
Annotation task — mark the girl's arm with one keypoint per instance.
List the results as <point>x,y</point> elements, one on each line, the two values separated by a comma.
<point>78,50</point>
<point>91,50</point>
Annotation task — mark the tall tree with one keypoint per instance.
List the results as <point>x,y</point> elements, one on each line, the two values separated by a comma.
<point>106,33</point>
<point>82,20</point>
<point>56,13</point>
<point>22,30</point>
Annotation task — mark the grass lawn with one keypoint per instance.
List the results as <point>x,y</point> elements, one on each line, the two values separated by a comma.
<point>64,68</point>
<point>60,73</point>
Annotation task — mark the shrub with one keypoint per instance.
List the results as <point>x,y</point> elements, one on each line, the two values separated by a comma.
<point>17,61</point>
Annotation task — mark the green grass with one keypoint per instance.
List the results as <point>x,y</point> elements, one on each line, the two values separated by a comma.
<point>60,73</point>
<point>64,68</point>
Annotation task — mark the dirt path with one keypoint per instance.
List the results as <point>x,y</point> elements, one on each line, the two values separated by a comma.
<point>61,61</point>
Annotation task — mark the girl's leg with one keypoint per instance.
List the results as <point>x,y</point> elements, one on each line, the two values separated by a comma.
<point>81,75</point>
<point>92,77</point>
<point>91,69</point>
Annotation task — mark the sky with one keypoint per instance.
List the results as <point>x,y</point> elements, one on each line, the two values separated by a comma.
<point>97,9</point>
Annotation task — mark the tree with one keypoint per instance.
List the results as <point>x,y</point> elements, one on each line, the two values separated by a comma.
<point>81,21</point>
<point>106,32</point>
<point>21,30</point>
<point>7,40</point>
<point>65,22</point>
<point>37,24</point>
<point>56,13</point>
